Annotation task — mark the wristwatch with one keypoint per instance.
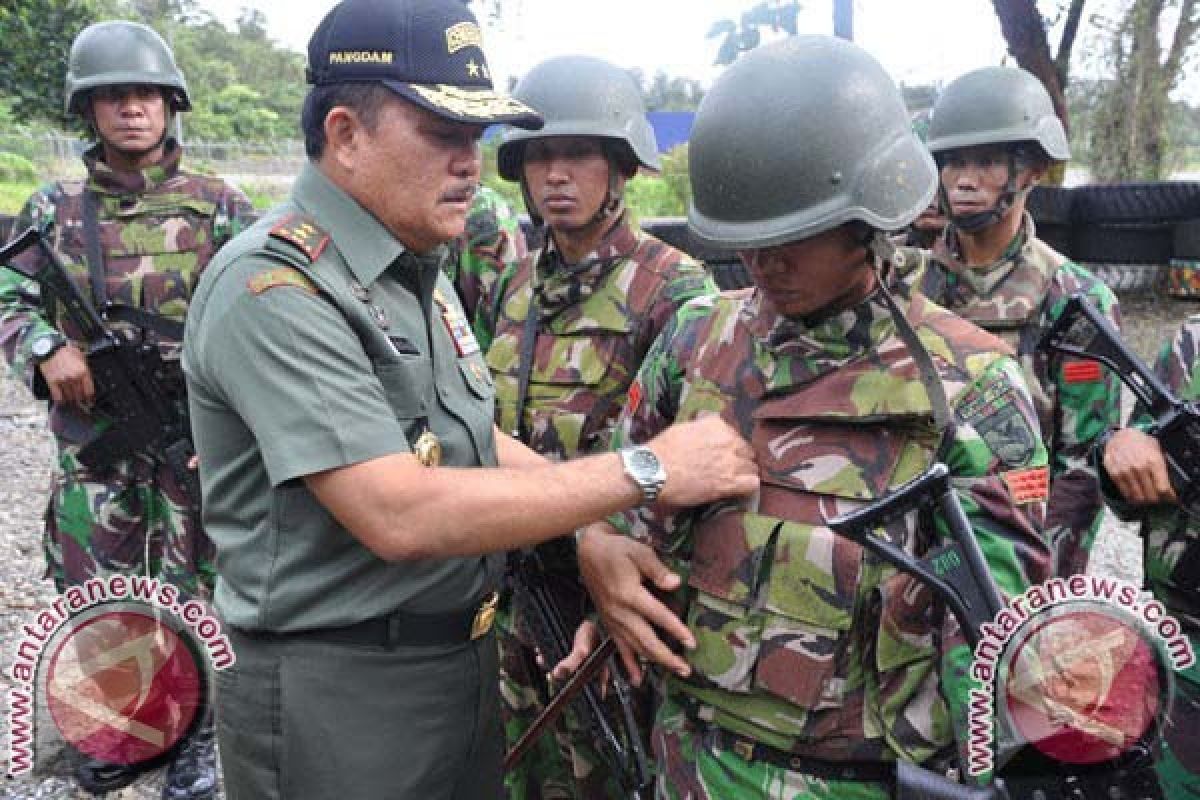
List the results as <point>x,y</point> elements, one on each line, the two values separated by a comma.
<point>644,468</point>
<point>46,345</point>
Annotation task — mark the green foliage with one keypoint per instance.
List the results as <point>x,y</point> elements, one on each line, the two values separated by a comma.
<point>14,195</point>
<point>37,36</point>
<point>16,168</point>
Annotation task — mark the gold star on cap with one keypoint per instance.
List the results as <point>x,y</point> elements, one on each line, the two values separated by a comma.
<point>472,69</point>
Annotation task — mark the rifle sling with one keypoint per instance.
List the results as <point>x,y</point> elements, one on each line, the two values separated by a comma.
<point>525,365</point>
<point>93,253</point>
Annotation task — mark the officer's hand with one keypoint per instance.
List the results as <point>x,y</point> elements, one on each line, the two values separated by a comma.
<point>613,569</point>
<point>705,460</point>
<point>1134,461</point>
<point>68,378</point>
<point>587,639</point>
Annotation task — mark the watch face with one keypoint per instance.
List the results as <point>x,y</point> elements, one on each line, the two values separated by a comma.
<point>644,460</point>
<point>43,346</point>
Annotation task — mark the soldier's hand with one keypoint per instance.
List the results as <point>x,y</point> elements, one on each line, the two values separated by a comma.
<point>68,378</point>
<point>614,569</point>
<point>587,639</point>
<point>705,460</point>
<point>1134,461</point>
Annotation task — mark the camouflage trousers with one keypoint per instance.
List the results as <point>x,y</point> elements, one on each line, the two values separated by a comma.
<point>130,518</point>
<point>692,765</point>
<point>1178,764</point>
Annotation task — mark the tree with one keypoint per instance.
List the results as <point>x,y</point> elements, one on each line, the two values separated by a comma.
<point>663,92</point>
<point>37,36</point>
<point>1129,130</point>
<point>778,15</point>
<point>1024,31</point>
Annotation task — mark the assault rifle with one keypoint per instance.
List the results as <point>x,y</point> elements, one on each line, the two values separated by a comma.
<point>1084,332</point>
<point>613,731</point>
<point>130,378</point>
<point>958,575</point>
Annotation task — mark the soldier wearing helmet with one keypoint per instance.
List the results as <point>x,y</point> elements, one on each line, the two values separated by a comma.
<point>136,233</point>
<point>809,666</point>
<point>994,134</point>
<point>572,322</point>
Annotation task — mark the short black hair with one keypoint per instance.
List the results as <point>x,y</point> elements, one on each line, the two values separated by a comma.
<point>365,99</point>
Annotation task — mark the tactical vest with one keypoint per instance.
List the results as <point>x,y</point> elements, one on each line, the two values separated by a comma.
<point>153,245</point>
<point>585,356</point>
<point>1013,310</point>
<point>804,640</point>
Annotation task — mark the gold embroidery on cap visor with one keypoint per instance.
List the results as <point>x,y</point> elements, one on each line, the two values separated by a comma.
<point>464,34</point>
<point>481,104</point>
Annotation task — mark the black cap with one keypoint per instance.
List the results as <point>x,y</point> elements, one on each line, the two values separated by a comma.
<point>428,51</point>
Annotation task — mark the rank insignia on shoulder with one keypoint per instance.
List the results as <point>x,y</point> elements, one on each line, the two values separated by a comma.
<point>280,276</point>
<point>302,232</point>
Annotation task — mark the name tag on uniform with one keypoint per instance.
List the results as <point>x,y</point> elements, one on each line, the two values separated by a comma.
<point>456,323</point>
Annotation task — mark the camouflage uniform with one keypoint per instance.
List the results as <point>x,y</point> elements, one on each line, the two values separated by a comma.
<point>158,228</point>
<point>1018,298</point>
<point>493,240</point>
<point>806,644</point>
<point>1167,533</point>
<point>596,320</point>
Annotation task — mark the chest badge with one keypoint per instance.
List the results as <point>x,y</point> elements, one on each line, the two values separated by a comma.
<point>465,343</point>
<point>428,449</point>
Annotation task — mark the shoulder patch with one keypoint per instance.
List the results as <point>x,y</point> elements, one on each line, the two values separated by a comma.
<point>281,276</point>
<point>302,232</point>
<point>1028,485</point>
<point>993,411</point>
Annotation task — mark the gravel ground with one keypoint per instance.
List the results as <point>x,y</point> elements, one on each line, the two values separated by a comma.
<point>27,451</point>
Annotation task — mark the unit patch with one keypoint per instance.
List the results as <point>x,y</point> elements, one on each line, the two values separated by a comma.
<point>281,276</point>
<point>1028,485</point>
<point>993,412</point>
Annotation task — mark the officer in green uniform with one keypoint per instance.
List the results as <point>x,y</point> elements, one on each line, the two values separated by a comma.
<point>994,134</point>
<point>135,234</point>
<point>342,414</point>
<point>572,322</point>
<point>812,666</point>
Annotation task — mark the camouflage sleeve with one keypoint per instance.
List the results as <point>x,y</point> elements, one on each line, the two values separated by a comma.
<point>494,242</point>
<point>1089,405</point>
<point>688,281</point>
<point>998,465</point>
<point>21,316</point>
<point>651,407</point>
<point>235,213</point>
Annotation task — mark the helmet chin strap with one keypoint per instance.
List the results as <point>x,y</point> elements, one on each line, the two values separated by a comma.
<point>969,223</point>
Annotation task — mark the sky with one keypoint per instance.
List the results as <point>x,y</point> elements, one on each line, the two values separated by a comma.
<point>917,41</point>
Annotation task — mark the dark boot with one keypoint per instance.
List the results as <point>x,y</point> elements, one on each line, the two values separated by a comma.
<point>101,777</point>
<point>193,773</point>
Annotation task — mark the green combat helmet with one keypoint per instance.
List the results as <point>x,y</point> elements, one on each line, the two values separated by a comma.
<point>583,96</point>
<point>997,106</point>
<point>801,136</point>
<point>119,52</point>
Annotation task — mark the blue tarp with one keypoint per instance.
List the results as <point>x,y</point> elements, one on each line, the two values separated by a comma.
<point>671,128</point>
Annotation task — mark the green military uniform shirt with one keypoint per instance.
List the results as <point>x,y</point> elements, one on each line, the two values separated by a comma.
<point>316,341</point>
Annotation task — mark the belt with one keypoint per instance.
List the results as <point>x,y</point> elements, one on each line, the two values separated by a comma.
<point>401,628</point>
<point>751,750</point>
